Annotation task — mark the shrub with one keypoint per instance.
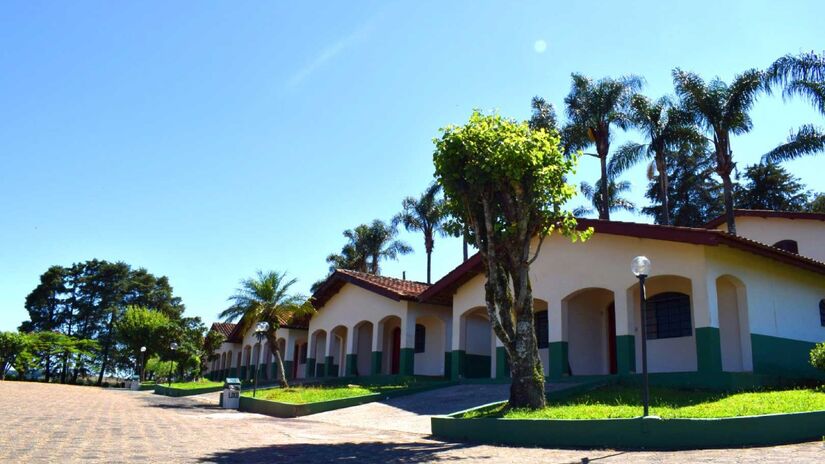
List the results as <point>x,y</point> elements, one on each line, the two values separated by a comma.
<point>818,356</point>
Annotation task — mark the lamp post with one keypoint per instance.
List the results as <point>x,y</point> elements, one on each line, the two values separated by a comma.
<point>260,333</point>
<point>641,269</point>
<point>140,366</point>
<point>173,347</point>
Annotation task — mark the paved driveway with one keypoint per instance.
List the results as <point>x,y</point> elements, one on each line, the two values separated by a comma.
<point>55,423</point>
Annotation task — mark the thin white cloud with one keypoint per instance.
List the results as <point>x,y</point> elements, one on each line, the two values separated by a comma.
<point>332,51</point>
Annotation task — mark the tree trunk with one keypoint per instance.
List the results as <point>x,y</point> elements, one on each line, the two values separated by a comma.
<point>604,208</point>
<point>527,387</point>
<point>464,245</point>
<point>282,381</point>
<point>429,264</point>
<point>106,347</point>
<point>663,186</point>
<point>729,216</point>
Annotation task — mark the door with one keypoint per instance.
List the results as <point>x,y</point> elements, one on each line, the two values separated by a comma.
<point>396,351</point>
<point>611,337</point>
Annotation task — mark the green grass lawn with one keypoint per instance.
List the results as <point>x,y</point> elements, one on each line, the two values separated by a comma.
<point>625,402</point>
<point>315,393</point>
<point>193,385</point>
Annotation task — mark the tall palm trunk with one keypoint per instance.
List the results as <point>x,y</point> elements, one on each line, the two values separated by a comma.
<point>464,243</point>
<point>728,190</point>
<point>661,166</point>
<point>604,207</point>
<point>428,247</point>
<point>273,345</point>
<point>724,167</point>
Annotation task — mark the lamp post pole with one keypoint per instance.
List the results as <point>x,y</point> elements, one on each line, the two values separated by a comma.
<point>641,268</point>
<point>173,347</point>
<point>140,367</point>
<point>260,333</point>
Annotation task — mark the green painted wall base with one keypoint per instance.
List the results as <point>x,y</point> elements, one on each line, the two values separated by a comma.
<point>448,361</point>
<point>625,354</point>
<point>457,364</point>
<point>559,364</point>
<point>320,370</point>
<point>233,372</point>
<point>289,367</point>
<point>783,357</point>
<point>708,349</point>
<point>311,368</point>
<point>375,362</point>
<point>243,373</point>
<point>351,365</point>
<point>477,366</point>
<point>407,361</point>
<point>502,364</point>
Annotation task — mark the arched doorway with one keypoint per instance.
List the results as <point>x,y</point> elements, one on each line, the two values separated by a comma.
<point>590,330</point>
<point>428,346</point>
<point>390,343</point>
<point>338,352</point>
<point>734,332</point>
<point>362,333</point>
<point>476,340</point>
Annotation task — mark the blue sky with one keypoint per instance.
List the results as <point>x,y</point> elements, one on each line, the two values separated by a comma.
<point>206,140</point>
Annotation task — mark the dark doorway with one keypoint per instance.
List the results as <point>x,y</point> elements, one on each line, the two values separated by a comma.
<point>611,337</point>
<point>396,351</point>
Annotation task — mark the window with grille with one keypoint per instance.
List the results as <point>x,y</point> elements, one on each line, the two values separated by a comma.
<point>787,245</point>
<point>542,335</point>
<point>822,312</point>
<point>668,316</point>
<point>420,338</point>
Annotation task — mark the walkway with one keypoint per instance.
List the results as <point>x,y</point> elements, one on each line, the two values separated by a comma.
<point>55,423</point>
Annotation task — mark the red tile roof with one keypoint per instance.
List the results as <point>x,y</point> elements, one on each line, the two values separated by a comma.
<point>446,286</point>
<point>390,287</point>
<point>763,213</point>
<point>224,328</point>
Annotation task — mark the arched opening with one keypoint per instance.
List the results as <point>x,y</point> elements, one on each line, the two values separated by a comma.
<point>256,362</point>
<point>671,343</point>
<point>301,353</point>
<point>265,371</point>
<point>273,362</point>
<point>317,349</point>
<point>247,357</point>
<point>362,332</point>
<point>590,331</point>
<point>787,245</point>
<point>476,340</point>
<point>734,331</point>
<point>390,330</point>
<point>338,351</point>
<point>239,369</point>
<point>228,367</point>
<point>428,347</point>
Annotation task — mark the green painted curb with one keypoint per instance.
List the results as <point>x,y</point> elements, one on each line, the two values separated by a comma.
<point>178,392</point>
<point>647,433</point>
<point>286,410</point>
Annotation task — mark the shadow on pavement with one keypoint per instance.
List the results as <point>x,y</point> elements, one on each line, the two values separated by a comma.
<point>360,453</point>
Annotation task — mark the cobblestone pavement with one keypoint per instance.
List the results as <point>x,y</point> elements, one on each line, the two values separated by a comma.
<point>55,423</point>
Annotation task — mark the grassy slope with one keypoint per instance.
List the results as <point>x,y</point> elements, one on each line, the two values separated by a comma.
<point>194,385</point>
<point>625,402</point>
<point>312,394</point>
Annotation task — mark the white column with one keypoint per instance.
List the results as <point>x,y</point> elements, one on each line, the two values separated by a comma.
<point>555,320</point>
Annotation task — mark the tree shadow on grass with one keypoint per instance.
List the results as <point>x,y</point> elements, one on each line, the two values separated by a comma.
<point>360,453</point>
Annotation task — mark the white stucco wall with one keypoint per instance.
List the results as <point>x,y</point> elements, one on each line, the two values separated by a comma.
<point>809,234</point>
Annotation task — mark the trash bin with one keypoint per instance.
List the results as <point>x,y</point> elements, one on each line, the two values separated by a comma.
<point>231,395</point>
<point>135,383</point>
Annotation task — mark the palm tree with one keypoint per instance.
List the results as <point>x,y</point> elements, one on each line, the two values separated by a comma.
<point>801,76</point>
<point>723,111</point>
<point>380,243</point>
<point>266,298</point>
<point>665,127</point>
<point>425,214</point>
<point>615,200</point>
<point>592,107</point>
<point>349,258</point>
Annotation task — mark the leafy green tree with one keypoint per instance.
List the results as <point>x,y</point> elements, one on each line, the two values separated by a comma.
<point>694,197</point>
<point>11,345</point>
<point>139,327</point>
<point>818,356</point>
<point>593,107</point>
<point>267,298</point>
<point>426,215</point>
<point>86,301</point>
<point>507,183</point>
<point>817,204</point>
<point>543,115</point>
<point>722,110</point>
<point>616,201</point>
<point>211,343</point>
<point>665,127</point>
<point>800,76</point>
<point>45,346</point>
<point>769,186</point>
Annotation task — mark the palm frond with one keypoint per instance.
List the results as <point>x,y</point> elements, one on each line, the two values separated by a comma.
<point>626,156</point>
<point>808,140</point>
<point>809,90</point>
